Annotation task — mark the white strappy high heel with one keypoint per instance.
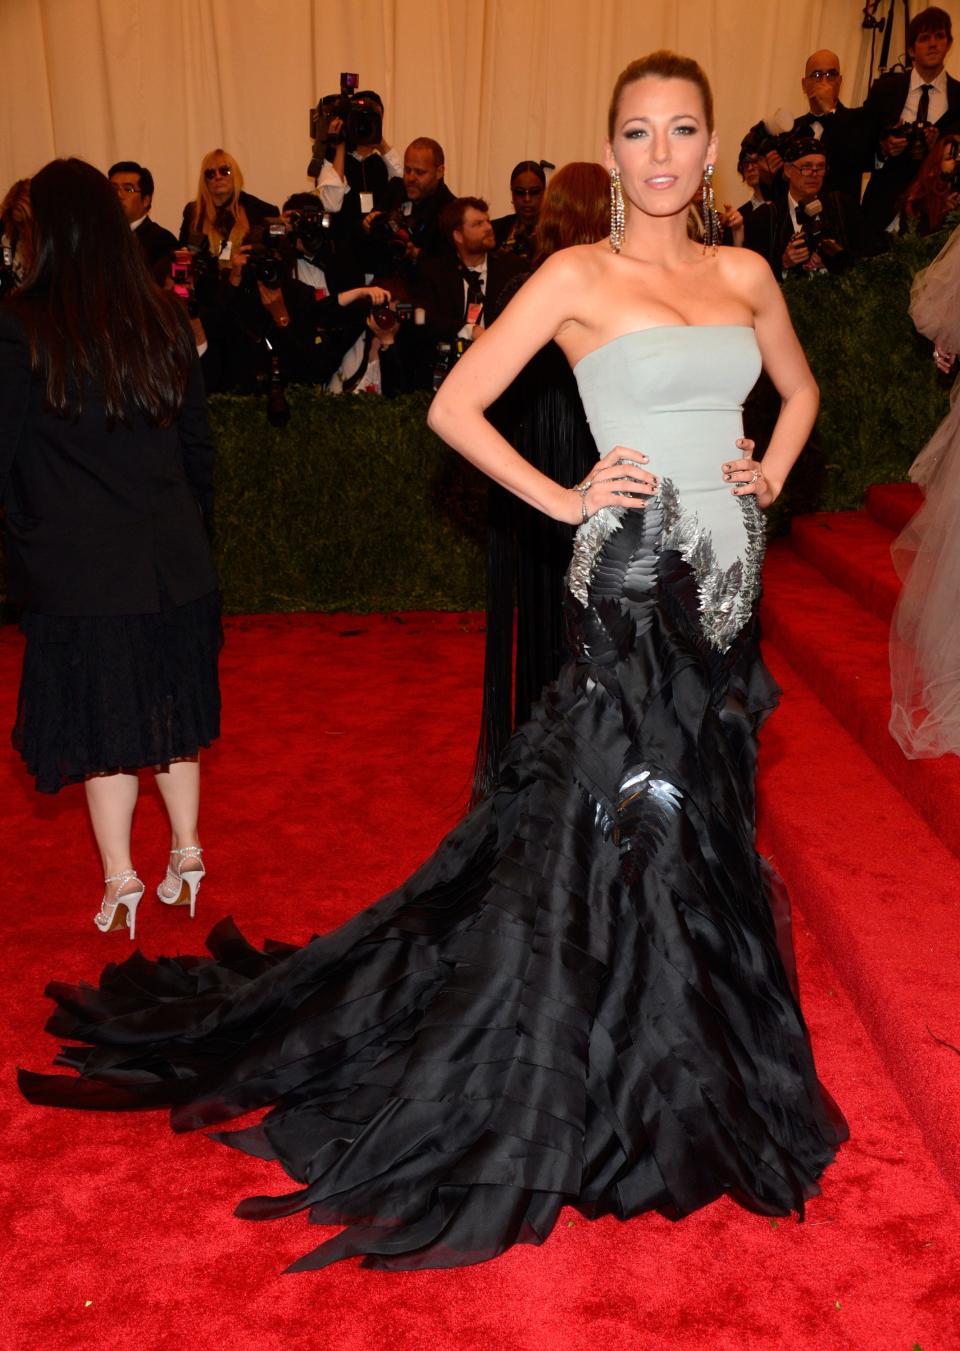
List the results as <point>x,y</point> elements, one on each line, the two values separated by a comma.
<point>180,885</point>
<point>121,911</point>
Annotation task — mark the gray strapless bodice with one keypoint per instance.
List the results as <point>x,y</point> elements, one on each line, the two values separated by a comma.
<point>676,394</point>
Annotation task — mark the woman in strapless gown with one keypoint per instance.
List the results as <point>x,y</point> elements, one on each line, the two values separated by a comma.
<point>579,998</point>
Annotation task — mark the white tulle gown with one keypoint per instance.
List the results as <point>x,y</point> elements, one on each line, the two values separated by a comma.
<point>925,631</point>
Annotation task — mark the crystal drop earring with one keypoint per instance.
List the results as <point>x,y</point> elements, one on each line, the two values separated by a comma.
<point>711,219</point>
<point>617,211</point>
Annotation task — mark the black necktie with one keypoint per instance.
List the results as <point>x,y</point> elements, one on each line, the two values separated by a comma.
<point>474,282</point>
<point>923,107</point>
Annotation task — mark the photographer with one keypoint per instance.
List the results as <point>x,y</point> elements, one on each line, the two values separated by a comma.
<point>279,301</point>
<point>408,227</point>
<point>222,213</point>
<point>355,174</point>
<point>133,185</point>
<point>810,230</point>
<point>907,111</point>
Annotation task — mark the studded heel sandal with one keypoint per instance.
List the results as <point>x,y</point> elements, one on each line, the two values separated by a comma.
<point>121,911</point>
<point>181,884</point>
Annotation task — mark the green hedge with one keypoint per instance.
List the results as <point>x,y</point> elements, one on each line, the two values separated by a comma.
<point>356,505</point>
<point>353,505</point>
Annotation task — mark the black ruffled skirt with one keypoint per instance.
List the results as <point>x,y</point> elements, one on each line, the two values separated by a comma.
<point>578,999</point>
<point>107,692</point>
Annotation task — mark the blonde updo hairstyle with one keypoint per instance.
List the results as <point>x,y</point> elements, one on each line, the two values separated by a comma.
<point>663,65</point>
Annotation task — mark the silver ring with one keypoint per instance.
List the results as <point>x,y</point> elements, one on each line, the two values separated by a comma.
<point>756,476</point>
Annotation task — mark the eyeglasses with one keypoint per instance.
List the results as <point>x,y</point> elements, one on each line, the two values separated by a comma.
<point>129,188</point>
<point>810,170</point>
<point>526,192</point>
<point>218,171</point>
<point>831,74</point>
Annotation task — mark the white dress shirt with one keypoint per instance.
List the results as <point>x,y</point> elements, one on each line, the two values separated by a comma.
<point>332,189</point>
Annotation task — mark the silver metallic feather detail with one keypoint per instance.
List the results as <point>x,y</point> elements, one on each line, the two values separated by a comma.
<point>587,546</point>
<point>725,595</point>
<point>646,806</point>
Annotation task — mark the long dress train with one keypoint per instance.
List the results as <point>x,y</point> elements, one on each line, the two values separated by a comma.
<point>579,998</point>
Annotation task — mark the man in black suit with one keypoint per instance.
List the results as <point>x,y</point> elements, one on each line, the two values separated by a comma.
<point>795,237</point>
<point>134,187</point>
<point>925,95</point>
<point>459,290</point>
<point>843,133</point>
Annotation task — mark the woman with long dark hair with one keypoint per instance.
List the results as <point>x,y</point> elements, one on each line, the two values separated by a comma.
<point>106,475</point>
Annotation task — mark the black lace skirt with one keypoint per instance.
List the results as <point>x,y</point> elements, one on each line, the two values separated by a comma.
<point>107,692</point>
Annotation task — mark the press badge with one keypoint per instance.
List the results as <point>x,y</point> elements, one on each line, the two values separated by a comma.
<point>474,311</point>
<point>366,203</point>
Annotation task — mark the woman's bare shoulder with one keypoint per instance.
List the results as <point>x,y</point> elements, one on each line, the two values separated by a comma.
<point>578,262</point>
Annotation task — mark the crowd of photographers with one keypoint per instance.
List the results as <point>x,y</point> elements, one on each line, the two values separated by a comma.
<point>379,278</point>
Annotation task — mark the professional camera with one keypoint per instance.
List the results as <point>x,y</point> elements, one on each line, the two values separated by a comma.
<point>362,121</point>
<point>916,134</point>
<point>389,317</point>
<point>391,231</point>
<point>811,224</point>
<point>188,268</point>
<point>445,357</point>
<point>950,165</point>
<point>272,254</point>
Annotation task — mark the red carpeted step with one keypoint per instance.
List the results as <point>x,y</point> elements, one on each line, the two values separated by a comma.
<point>892,504</point>
<point>853,552</point>
<point>880,890</point>
<point>840,650</point>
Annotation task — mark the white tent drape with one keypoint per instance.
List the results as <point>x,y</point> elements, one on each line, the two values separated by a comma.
<point>495,81</point>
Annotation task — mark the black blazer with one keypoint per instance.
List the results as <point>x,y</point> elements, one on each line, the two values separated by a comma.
<point>100,520</point>
<point>440,292</point>
<point>257,212</point>
<point>157,245</point>
<point>847,140</point>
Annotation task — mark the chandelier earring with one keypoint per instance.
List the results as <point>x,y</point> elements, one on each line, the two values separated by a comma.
<point>709,214</point>
<point>617,211</point>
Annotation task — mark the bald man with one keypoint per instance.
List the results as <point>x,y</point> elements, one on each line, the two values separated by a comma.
<point>843,133</point>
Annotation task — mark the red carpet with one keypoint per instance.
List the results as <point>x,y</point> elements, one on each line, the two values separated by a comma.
<point>346,753</point>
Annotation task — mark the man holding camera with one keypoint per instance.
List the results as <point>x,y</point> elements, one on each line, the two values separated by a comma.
<point>907,111</point>
<point>408,227</point>
<point>810,230</point>
<point>353,181</point>
<point>134,187</point>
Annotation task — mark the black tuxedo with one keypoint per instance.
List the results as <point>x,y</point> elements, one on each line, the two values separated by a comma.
<point>882,109</point>
<point>846,140</point>
<point>257,212</point>
<point>99,519</point>
<point>769,229</point>
<point>158,245</point>
<point>440,291</point>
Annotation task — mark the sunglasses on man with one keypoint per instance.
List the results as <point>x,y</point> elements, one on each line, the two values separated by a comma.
<point>218,171</point>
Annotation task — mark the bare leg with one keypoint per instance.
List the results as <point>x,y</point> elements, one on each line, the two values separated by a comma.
<point>179,785</point>
<point>111,799</point>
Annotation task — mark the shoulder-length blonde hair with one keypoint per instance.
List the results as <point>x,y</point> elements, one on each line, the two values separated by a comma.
<point>205,210</point>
